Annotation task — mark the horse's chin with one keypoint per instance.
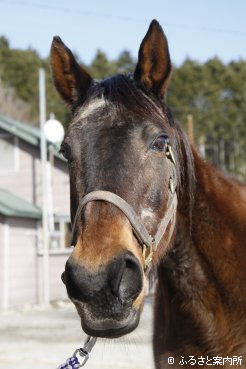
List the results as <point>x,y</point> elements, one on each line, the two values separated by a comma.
<point>109,328</point>
<point>99,326</point>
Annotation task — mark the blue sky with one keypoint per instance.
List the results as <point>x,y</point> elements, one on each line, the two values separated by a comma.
<point>199,29</point>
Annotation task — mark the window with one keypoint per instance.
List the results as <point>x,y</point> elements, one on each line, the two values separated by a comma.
<point>60,238</point>
<point>8,153</point>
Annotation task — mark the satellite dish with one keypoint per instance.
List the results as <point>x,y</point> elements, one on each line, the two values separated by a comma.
<point>53,130</point>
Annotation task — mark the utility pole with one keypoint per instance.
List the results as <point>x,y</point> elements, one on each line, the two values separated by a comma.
<point>43,148</point>
<point>190,128</point>
<point>202,146</point>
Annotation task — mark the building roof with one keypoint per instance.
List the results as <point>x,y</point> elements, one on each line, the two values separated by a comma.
<point>14,206</point>
<point>25,132</point>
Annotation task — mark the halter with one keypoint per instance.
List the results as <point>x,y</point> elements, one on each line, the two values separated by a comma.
<point>148,242</point>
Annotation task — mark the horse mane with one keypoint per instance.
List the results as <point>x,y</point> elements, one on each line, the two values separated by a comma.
<point>122,96</point>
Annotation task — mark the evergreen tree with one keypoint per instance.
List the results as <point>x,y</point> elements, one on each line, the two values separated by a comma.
<point>125,64</point>
<point>213,92</point>
<point>101,67</point>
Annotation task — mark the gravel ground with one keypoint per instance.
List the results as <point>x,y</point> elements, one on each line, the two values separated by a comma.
<point>44,337</point>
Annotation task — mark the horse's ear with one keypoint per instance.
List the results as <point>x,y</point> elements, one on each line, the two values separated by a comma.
<point>71,81</point>
<point>153,69</point>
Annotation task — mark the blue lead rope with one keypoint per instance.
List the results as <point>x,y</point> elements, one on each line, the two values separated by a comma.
<point>75,361</point>
<point>71,363</point>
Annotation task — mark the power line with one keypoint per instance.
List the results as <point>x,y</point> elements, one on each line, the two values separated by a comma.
<point>89,13</point>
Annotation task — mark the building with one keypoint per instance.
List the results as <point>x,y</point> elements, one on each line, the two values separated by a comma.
<point>21,254</point>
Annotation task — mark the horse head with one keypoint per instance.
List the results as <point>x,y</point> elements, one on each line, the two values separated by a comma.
<point>121,140</point>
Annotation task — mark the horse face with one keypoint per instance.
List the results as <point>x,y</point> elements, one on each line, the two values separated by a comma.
<point>115,142</point>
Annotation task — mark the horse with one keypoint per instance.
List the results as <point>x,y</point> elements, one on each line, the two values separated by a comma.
<point>143,200</point>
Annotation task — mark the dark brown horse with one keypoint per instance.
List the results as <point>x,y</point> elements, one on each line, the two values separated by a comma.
<point>123,140</point>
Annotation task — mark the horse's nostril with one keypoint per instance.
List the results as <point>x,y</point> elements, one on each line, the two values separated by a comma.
<point>131,280</point>
<point>63,277</point>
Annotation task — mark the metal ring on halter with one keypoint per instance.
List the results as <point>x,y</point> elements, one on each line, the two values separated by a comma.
<point>74,362</point>
<point>85,351</point>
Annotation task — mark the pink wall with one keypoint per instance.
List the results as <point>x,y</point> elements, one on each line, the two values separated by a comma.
<point>25,266</point>
<point>26,181</point>
<point>1,260</point>
<point>25,273</point>
<point>22,264</point>
<point>56,268</point>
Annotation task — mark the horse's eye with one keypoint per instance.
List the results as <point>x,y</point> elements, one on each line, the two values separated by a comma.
<point>160,143</point>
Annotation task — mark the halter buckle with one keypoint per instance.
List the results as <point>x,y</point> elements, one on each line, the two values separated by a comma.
<point>171,185</point>
<point>169,154</point>
<point>148,259</point>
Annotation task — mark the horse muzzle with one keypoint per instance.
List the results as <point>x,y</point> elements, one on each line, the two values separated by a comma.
<point>105,299</point>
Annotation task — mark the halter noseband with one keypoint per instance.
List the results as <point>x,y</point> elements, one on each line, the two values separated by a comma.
<point>147,241</point>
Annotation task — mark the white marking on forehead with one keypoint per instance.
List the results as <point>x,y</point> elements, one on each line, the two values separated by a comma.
<point>147,214</point>
<point>89,109</point>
